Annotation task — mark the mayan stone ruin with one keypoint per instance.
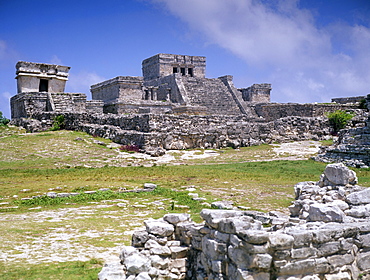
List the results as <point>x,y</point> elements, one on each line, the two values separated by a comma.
<point>172,106</point>
<point>326,236</point>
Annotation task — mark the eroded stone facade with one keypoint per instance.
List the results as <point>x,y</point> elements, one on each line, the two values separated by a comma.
<point>326,237</point>
<point>178,106</point>
<point>40,88</point>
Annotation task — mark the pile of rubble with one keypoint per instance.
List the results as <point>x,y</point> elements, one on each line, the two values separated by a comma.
<point>326,237</point>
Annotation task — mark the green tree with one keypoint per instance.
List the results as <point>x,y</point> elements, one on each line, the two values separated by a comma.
<point>339,119</point>
<point>3,120</point>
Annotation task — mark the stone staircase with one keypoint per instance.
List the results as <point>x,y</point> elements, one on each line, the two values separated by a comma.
<point>212,94</point>
<point>71,102</point>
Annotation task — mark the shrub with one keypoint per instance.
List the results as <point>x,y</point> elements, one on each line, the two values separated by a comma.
<point>339,119</point>
<point>362,104</point>
<point>58,123</point>
<point>3,120</point>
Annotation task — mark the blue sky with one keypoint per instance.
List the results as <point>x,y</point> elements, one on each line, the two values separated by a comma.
<point>309,50</point>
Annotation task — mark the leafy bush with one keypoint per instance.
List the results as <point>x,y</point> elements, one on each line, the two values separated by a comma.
<point>3,120</point>
<point>339,119</point>
<point>362,104</point>
<point>58,123</point>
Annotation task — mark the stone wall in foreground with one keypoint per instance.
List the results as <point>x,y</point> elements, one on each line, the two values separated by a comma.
<point>326,237</point>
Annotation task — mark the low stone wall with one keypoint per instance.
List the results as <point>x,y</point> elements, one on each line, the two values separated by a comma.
<point>184,131</point>
<point>346,100</point>
<point>273,111</point>
<point>237,245</point>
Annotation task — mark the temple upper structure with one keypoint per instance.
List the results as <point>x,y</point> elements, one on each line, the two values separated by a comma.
<point>171,83</point>
<point>41,77</point>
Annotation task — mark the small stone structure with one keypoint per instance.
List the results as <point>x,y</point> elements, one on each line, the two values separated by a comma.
<point>41,89</point>
<point>41,77</point>
<point>352,146</point>
<point>162,65</point>
<point>326,237</point>
<point>346,100</point>
<point>257,93</point>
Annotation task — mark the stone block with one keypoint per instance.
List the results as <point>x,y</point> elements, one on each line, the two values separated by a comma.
<point>322,266</point>
<point>221,237</point>
<point>280,241</point>
<point>176,218</point>
<point>137,263</point>
<point>339,174</point>
<point>213,249</point>
<point>282,255</point>
<point>340,260</point>
<point>301,238</point>
<point>261,261</point>
<point>179,252</point>
<point>358,212</point>
<point>159,262</point>
<point>363,261</point>
<point>363,241</point>
<point>254,236</point>
<point>127,251</point>
<point>139,238</point>
<point>143,276</point>
<point>213,217</point>
<point>324,213</point>
<point>236,224</point>
<point>320,236</point>
<point>339,276</point>
<point>113,271</point>
<point>329,248</point>
<point>360,197</point>
<point>178,263</point>
<point>298,267</point>
<point>303,253</point>
<point>159,228</point>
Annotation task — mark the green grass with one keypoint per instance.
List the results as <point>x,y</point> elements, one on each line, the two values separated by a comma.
<point>67,271</point>
<point>54,161</point>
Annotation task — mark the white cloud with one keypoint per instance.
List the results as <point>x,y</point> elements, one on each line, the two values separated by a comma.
<point>6,95</point>
<point>300,59</point>
<point>6,53</point>
<point>82,81</point>
<point>55,60</point>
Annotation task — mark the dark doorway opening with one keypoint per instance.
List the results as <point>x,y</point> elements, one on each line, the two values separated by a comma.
<point>175,70</point>
<point>190,72</point>
<point>44,85</point>
<point>183,71</point>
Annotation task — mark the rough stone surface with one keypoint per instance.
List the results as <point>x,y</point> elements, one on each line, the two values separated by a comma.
<point>233,244</point>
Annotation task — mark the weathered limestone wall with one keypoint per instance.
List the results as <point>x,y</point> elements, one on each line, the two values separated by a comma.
<point>29,104</point>
<point>120,87</point>
<point>346,100</point>
<point>251,245</point>
<point>162,65</point>
<point>184,131</point>
<point>257,93</point>
<point>273,111</point>
<point>169,88</point>
<point>352,146</point>
<point>94,106</point>
<point>29,75</point>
